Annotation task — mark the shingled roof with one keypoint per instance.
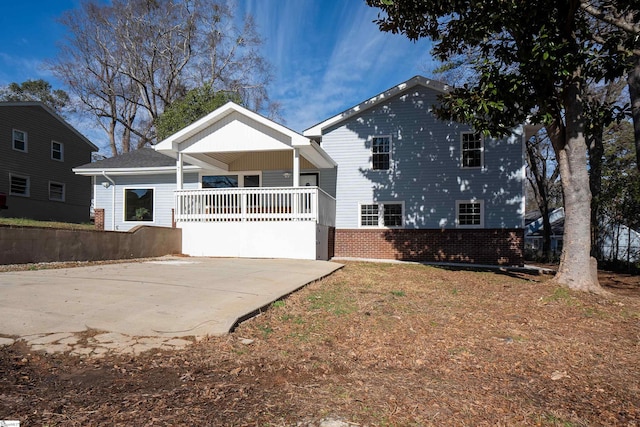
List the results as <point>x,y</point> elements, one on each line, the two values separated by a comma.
<point>141,158</point>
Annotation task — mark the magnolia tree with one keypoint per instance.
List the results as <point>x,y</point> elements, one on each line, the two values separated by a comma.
<point>532,61</point>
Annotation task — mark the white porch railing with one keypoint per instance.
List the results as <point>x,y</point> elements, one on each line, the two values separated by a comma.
<point>256,204</point>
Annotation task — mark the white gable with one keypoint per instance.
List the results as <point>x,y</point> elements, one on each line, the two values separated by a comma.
<point>236,133</point>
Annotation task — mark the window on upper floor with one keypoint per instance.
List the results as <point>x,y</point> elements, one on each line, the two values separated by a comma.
<point>381,152</point>
<point>383,214</point>
<point>470,213</point>
<point>56,191</point>
<point>19,185</point>
<point>57,151</point>
<point>138,204</point>
<point>472,150</point>
<point>19,140</point>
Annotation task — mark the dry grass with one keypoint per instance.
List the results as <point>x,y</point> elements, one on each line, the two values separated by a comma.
<point>373,344</point>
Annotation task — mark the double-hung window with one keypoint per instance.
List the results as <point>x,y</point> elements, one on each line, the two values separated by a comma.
<point>470,213</point>
<point>383,214</point>
<point>57,151</point>
<point>381,152</point>
<point>19,140</point>
<point>472,150</point>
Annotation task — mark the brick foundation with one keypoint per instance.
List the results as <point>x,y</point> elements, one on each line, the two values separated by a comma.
<point>474,246</point>
<point>98,219</point>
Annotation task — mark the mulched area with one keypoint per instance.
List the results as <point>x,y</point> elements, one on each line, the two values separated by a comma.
<point>372,344</point>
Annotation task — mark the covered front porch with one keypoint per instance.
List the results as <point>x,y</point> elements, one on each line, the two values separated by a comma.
<point>259,192</point>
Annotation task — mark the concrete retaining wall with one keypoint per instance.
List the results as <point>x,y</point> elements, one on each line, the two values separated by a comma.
<point>21,245</point>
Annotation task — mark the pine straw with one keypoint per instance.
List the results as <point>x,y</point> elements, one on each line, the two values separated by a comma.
<point>373,344</point>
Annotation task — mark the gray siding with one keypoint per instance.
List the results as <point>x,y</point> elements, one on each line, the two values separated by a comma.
<point>163,185</point>
<point>326,179</point>
<point>425,173</point>
<point>37,164</point>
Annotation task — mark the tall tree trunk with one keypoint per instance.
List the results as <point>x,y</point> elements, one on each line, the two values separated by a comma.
<point>577,270</point>
<point>596,153</point>
<point>634,94</point>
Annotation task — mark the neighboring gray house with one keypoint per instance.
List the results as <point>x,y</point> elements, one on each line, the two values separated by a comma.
<point>410,186</point>
<point>384,179</point>
<point>37,154</point>
<point>617,241</point>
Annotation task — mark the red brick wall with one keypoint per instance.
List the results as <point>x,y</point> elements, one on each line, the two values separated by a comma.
<point>474,246</point>
<point>98,219</point>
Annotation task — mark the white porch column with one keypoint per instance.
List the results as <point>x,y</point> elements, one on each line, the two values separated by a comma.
<point>179,174</point>
<point>296,167</point>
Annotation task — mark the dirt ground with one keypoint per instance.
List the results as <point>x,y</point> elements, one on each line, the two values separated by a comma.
<point>372,345</point>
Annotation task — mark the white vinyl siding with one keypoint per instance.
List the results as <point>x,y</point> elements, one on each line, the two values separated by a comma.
<point>163,185</point>
<point>425,173</point>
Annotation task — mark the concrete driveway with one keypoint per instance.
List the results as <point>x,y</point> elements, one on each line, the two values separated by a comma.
<point>168,297</point>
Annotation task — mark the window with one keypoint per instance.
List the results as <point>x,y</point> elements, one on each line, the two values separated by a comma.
<point>19,140</point>
<point>252,181</point>
<point>19,185</point>
<point>470,213</point>
<point>472,150</point>
<point>369,215</point>
<point>138,204</point>
<point>57,151</point>
<point>220,181</point>
<point>381,215</point>
<point>56,191</point>
<point>381,152</point>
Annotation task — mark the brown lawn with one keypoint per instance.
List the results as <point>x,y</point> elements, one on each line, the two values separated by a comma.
<point>374,345</point>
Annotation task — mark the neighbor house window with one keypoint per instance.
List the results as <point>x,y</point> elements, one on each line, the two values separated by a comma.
<point>57,151</point>
<point>138,204</point>
<point>19,140</point>
<point>472,150</point>
<point>381,152</point>
<point>381,215</point>
<point>470,213</point>
<point>19,185</point>
<point>56,191</point>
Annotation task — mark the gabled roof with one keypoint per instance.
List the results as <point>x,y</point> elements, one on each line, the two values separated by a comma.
<point>232,128</point>
<point>141,160</point>
<point>317,130</point>
<point>53,114</point>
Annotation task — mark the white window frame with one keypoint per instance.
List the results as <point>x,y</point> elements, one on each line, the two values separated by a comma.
<point>13,140</point>
<point>472,201</point>
<point>124,205</point>
<point>61,151</point>
<point>27,192</point>
<point>462,150</point>
<point>371,139</point>
<point>64,191</point>
<point>240,176</point>
<point>381,214</point>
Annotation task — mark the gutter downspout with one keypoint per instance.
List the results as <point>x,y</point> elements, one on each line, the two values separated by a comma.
<point>113,201</point>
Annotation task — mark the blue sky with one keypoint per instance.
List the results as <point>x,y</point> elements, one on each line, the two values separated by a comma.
<point>327,55</point>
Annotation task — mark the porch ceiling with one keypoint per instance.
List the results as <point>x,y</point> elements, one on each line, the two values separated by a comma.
<point>267,160</point>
